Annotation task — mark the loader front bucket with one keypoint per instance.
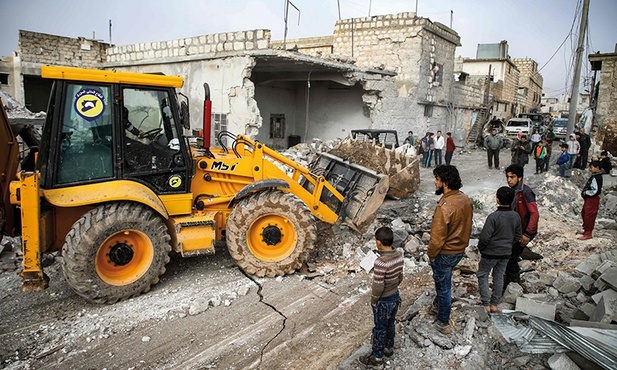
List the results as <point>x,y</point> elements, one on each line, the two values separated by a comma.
<point>364,190</point>
<point>9,163</point>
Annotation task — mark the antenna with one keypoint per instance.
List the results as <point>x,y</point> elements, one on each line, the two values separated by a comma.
<point>110,32</point>
<point>287,3</point>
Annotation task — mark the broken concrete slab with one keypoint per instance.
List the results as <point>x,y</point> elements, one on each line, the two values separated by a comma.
<point>548,278</point>
<point>423,301</point>
<point>610,277</point>
<point>561,361</point>
<point>513,291</point>
<point>588,265</point>
<point>537,308</point>
<point>587,283</point>
<point>368,262</point>
<point>477,311</point>
<point>470,327</point>
<point>610,294</point>
<point>585,311</point>
<point>603,267</point>
<point>566,283</point>
<point>604,312</point>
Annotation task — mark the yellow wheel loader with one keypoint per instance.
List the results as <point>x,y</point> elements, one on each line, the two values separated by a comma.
<point>116,186</point>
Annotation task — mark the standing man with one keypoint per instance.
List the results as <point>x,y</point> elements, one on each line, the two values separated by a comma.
<point>520,151</point>
<point>493,143</point>
<point>573,149</point>
<point>525,205</point>
<point>585,143</point>
<point>430,143</point>
<point>450,147</point>
<point>583,154</point>
<point>450,232</point>
<point>591,195</point>
<point>385,297</point>
<point>440,144</point>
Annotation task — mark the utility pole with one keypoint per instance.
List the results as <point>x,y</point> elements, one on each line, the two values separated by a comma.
<point>110,32</point>
<point>577,68</point>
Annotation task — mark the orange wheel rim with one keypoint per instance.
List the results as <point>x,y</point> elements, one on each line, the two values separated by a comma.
<point>272,238</point>
<point>124,257</point>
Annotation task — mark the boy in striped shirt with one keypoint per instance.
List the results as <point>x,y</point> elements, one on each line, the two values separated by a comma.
<point>385,298</point>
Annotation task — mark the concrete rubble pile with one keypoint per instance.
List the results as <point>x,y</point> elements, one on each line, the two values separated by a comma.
<point>570,288</point>
<point>18,114</point>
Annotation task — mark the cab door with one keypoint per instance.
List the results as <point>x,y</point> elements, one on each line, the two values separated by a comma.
<point>151,149</point>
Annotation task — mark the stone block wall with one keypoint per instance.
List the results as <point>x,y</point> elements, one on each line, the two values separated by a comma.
<point>316,46</point>
<point>215,44</point>
<point>607,106</point>
<point>531,79</point>
<point>41,48</point>
<point>421,52</point>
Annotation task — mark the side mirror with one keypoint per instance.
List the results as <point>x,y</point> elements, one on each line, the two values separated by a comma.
<point>185,119</point>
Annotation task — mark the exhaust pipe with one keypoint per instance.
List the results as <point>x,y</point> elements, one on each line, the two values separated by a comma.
<point>207,119</point>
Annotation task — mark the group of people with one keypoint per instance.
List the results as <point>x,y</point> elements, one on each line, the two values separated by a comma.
<point>574,152</point>
<point>432,148</point>
<point>504,239</point>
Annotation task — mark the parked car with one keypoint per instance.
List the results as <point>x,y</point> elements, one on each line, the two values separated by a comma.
<point>560,127</point>
<point>516,125</point>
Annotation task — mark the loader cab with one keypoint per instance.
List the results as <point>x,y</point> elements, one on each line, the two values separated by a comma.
<point>98,131</point>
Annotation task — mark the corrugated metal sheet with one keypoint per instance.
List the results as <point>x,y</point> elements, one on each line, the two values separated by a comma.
<point>526,339</point>
<point>603,354</point>
<point>545,336</point>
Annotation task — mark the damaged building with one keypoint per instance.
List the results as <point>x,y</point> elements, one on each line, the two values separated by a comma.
<point>604,100</point>
<point>391,71</point>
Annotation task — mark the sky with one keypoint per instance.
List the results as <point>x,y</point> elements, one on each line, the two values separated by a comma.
<point>544,30</point>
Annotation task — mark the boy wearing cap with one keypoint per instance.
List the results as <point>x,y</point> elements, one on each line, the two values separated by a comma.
<point>574,147</point>
<point>564,160</point>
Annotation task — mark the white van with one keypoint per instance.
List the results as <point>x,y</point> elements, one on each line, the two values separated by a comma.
<point>516,125</point>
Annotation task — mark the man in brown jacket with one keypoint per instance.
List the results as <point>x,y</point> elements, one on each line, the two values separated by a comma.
<point>450,232</point>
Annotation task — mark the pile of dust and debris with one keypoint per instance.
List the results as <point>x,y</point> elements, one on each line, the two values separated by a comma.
<point>477,341</point>
<point>17,113</point>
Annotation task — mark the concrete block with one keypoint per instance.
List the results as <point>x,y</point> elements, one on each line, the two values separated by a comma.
<point>561,361</point>
<point>547,278</point>
<point>604,312</point>
<point>585,311</point>
<point>587,283</point>
<point>601,268</point>
<point>600,285</point>
<point>610,277</point>
<point>589,264</point>
<point>537,308</point>
<point>368,261</point>
<point>513,291</point>
<point>566,283</point>
<point>477,311</point>
<point>609,294</point>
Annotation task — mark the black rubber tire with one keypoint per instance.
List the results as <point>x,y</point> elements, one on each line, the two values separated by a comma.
<point>93,233</point>
<point>245,228</point>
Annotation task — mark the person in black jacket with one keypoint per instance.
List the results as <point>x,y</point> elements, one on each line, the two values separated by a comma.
<point>501,230</point>
<point>591,195</point>
<point>605,163</point>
